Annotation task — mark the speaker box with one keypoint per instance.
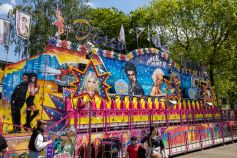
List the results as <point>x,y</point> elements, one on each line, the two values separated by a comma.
<point>224,101</point>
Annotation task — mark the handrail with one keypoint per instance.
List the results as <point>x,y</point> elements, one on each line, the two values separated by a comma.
<point>64,118</point>
<point>2,123</point>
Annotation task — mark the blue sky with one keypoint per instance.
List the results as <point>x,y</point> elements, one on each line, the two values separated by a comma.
<point>123,5</point>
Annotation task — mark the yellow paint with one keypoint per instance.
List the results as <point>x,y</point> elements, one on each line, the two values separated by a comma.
<point>189,106</point>
<point>184,104</point>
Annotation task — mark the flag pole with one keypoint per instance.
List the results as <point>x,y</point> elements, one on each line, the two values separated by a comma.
<point>28,39</point>
<point>125,44</point>
<point>149,35</point>
<point>137,37</point>
<point>137,42</point>
<point>7,48</point>
<point>124,40</point>
<point>7,52</point>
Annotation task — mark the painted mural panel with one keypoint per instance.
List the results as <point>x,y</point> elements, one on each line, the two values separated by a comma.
<point>146,74</point>
<point>33,88</point>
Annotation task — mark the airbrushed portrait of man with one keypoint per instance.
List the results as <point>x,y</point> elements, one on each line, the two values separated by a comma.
<point>134,87</point>
<point>17,101</point>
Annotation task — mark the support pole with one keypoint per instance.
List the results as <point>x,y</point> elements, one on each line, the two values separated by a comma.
<point>89,154</point>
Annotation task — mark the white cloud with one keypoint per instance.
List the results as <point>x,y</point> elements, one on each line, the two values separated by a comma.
<point>91,4</point>
<point>13,2</point>
<point>4,8</point>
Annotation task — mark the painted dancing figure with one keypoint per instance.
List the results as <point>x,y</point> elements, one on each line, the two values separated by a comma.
<point>33,89</point>
<point>59,23</point>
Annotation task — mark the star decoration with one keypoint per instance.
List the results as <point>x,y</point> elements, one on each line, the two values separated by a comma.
<point>122,57</point>
<point>130,56</point>
<point>55,114</point>
<point>53,41</point>
<point>150,50</point>
<point>108,54</point>
<point>64,44</point>
<point>81,78</point>
<point>173,85</point>
<point>84,49</point>
<point>139,52</point>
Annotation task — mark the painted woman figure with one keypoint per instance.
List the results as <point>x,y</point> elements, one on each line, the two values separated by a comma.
<point>91,84</point>
<point>158,79</point>
<point>60,22</point>
<point>33,89</point>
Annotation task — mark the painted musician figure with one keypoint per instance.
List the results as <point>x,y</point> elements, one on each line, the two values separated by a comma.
<point>134,87</point>
<point>33,89</point>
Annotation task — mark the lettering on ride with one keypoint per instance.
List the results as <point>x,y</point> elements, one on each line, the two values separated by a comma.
<point>84,31</point>
<point>121,87</point>
<point>155,61</point>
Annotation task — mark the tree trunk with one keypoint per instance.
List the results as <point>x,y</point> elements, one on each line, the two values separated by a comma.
<point>211,76</point>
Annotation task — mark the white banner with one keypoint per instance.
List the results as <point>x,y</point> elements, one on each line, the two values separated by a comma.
<point>23,24</point>
<point>4,31</point>
<point>156,41</point>
<point>121,35</point>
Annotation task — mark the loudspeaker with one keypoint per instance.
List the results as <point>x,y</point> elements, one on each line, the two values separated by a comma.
<point>208,104</point>
<point>171,103</point>
<point>81,66</point>
<point>224,101</point>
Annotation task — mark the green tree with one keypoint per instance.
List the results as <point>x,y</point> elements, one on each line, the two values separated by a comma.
<point>201,31</point>
<point>140,18</point>
<point>106,22</point>
<point>43,15</point>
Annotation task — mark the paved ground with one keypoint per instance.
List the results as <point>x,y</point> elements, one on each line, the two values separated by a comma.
<point>226,151</point>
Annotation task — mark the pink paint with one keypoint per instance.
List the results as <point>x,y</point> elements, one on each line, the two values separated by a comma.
<point>113,105</point>
<point>131,105</point>
<point>147,105</point>
<point>68,104</point>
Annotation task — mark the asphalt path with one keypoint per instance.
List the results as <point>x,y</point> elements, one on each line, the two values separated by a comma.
<point>224,151</point>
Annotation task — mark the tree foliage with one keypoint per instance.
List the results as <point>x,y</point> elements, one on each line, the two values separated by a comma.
<point>106,23</point>
<point>201,31</point>
<point>43,15</point>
